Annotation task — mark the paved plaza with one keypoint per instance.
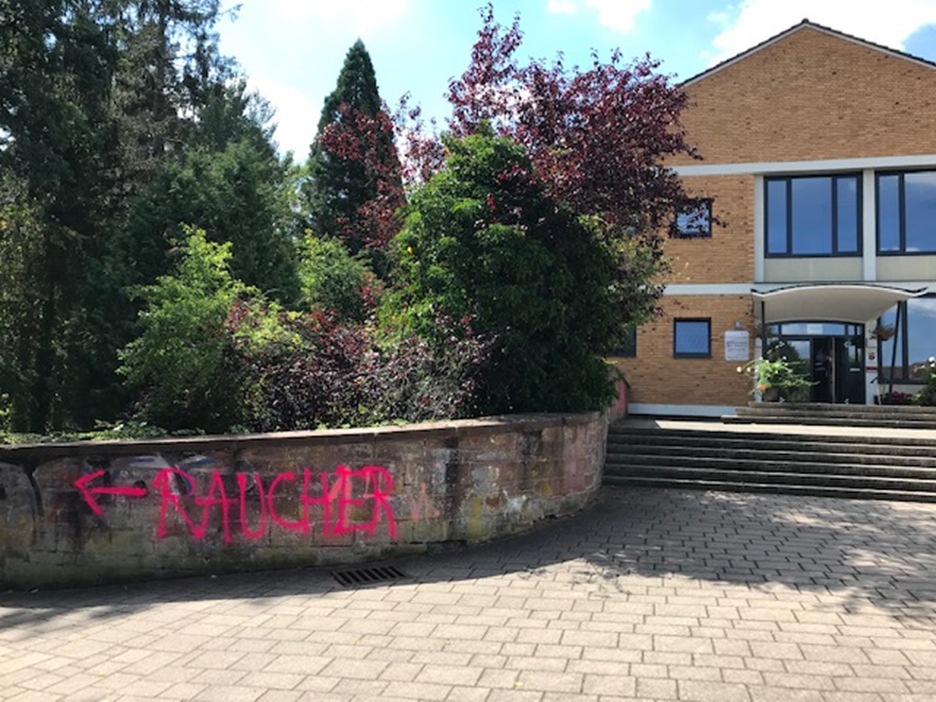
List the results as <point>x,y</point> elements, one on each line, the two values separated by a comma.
<point>652,594</point>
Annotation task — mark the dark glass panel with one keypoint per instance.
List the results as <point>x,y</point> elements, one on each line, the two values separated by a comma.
<point>847,211</point>
<point>628,348</point>
<point>920,211</point>
<point>888,213</point>
<point>694,219</point>
<point>776,217</point>
<point>921,337</point>
<point>692,338</point>
<point>886,350</point>
<point>812,216</point>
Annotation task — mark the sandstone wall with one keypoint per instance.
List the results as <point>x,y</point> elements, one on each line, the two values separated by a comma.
<point>87,513</point>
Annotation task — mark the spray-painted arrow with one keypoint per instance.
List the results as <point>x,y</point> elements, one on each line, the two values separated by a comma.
<point>89,493</point>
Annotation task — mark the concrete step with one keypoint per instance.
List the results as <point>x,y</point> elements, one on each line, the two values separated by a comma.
<point>772,441</point>
<point>884,465</point>
<point>780,477</point>
<point>833,420</point>
<point>620,462</point>
<point>836,415</point>
<point>824,407</point>
<point>785,489</point>
<point>923,456</point>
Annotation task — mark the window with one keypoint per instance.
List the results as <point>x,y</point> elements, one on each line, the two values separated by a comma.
<point>693,219</point>
<point>628,347</point>
<point>915,341</point>
<point>906,212</point>
<point>692,338</point>
<point>813,216</point>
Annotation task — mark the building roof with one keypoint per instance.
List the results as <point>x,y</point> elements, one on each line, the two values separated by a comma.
<point>795,28</point>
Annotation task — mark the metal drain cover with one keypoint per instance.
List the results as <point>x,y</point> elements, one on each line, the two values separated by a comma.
<point>366,576</point>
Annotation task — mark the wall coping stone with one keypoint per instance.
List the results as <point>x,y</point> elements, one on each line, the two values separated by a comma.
<point>318,437</point>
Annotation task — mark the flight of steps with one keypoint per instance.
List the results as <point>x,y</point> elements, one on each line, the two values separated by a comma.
<point>892,416</point>
<point>883,465</point>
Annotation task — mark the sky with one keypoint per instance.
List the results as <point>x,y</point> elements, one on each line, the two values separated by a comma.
<point>292,50</point>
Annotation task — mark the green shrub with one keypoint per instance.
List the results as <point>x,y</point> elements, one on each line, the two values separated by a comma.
<point>334,280</point>
<point>179,362</point>
<point>326,372</point>
<point>927,396</point>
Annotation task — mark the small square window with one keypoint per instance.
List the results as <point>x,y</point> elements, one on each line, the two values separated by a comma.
<point>692,338</point>
<point>628,347</point>
<point>693,219</point>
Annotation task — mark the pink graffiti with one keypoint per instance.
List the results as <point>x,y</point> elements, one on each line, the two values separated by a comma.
<point>326,499</point>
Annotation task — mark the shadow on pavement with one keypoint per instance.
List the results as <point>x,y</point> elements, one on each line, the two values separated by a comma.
<point>873,554</point>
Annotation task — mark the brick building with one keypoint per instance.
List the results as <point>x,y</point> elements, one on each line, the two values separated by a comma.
<point>815,212</point>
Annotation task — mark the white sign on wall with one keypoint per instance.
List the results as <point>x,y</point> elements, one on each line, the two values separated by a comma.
<point>737,344</point>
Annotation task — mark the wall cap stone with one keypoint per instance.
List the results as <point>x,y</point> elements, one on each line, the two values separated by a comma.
<point>320,437</point>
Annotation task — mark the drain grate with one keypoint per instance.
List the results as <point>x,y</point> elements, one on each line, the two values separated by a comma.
<point>366,576</point>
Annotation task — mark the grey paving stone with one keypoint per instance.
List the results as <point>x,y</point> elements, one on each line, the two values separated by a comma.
<point>652,594</point>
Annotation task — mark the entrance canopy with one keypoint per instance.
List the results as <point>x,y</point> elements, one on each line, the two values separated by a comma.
<point>851,304</point>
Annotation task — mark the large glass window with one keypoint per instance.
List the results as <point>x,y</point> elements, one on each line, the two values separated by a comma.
<point>813,216</point>
<point>915,341</point>
<point>906,207</point>
<point>692,338</point>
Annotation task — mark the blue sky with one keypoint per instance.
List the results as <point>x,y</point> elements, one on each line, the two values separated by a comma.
<point>292,50</point>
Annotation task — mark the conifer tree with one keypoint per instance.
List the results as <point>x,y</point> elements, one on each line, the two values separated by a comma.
<point>354,187</point>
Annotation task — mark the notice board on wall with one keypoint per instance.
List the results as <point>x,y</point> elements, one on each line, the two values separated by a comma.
<point>737,345</point>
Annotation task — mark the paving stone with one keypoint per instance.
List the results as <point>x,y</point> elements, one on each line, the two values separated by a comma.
<point>705,691</point>
<point>656,688</point>
<point>768,598</point>
<point>784,694</point>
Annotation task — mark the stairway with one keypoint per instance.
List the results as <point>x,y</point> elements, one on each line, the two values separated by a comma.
<point>815,414</point>
<point>860,463</point>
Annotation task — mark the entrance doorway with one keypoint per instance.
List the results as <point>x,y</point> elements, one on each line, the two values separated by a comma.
<point>831,355</point>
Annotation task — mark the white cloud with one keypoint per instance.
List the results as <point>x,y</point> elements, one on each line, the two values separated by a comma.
<point>757,20</point>
<point>296,116</point>
<point>618,15</point>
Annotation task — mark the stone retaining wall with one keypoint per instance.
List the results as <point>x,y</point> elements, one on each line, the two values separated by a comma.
<point>95,512</point>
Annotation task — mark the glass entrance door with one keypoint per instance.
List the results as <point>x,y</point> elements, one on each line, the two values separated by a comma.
<point>831,354</point>
<point>837,364</point>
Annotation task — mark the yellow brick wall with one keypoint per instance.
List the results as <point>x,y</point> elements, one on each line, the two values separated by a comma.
<point>812,96</point>
<point>809,96</point>
<point>728,256</point>
<point>656,377</point>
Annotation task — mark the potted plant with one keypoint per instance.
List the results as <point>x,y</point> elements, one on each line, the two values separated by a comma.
<point>775,379</point>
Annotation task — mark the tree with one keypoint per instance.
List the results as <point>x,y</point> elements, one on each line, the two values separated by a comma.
<point>484,241</point>
<point>354,186</point>
<point>597,139</point>
<point>102,104</point>
<point>21,303</point>
<point>231,183</point>
<point>55,89</point>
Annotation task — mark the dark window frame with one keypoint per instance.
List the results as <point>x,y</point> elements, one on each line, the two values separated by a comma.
<point>686,206</point>
<point>833,179</point>
<point>902,214</point>
<point>684,354</point>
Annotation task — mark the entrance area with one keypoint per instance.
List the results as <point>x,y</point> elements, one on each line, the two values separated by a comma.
<point>830,353</point>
